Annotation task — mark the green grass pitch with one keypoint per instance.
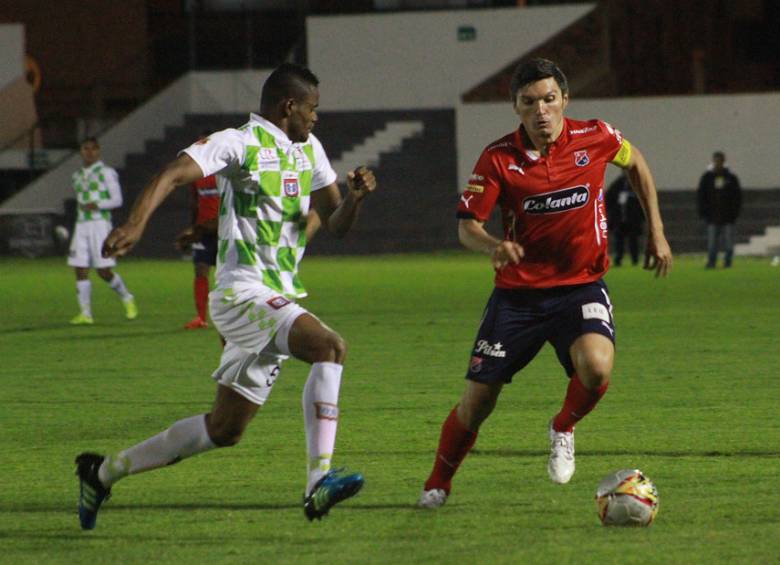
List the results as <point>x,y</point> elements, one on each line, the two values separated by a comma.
<point>693,403</point>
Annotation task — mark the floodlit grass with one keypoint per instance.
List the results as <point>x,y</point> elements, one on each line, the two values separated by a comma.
<point>693,403</point>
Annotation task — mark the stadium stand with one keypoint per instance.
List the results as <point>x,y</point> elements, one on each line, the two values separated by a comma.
<point>413,210</point>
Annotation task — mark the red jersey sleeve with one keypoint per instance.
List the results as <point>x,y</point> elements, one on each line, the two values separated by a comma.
<point>482,191</point>
<point>610,141</point>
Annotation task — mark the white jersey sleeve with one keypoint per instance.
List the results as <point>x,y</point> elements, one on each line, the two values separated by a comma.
<point>114,190</point>
<point>323,173</point>
<point>219,151</point>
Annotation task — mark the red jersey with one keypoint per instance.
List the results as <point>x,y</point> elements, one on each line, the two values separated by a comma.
<point>552,205</point>
<point>205,190</point>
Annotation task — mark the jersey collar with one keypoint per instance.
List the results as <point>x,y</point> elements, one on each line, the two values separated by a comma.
<point>92,167</point>
<point>529,152</point>
<point>273,129</point>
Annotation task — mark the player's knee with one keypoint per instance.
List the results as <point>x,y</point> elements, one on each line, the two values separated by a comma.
<point>331,347</point>
<point>597,371</point>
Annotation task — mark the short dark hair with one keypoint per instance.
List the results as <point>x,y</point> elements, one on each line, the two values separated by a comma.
<point>90,139</point>
<point>536,69</point>
<point>287,81</point>
<point>719,154</point>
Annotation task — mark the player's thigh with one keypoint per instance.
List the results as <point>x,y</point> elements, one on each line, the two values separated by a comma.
<point>98,232</point>
<point>253,317</point>
<point>584,317</point>
<point>510,335</point>
<point>78,254</point>
<point>229,416</point>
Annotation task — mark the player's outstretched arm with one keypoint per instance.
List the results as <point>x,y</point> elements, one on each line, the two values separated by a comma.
<point>122,239</point>
<point>472,235</point>
<point>658,255</point>
<point>339,214</point>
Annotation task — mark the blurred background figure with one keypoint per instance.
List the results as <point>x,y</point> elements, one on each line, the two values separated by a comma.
<point>201,237</point>
<point>720,201</point>
<point>625,218</point>
<point>97,193</point>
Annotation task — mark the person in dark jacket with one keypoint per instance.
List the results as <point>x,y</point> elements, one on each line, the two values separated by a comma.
<point>720,201</point>
<point>625,218</point>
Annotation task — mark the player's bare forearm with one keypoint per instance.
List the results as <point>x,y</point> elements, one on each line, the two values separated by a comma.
<point>473,236</point>
<point>659,254</point>
<point>643,184</point>
<point>181,171</point>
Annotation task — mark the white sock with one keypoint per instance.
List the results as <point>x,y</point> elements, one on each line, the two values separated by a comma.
<point>320,416</point>
<point>84,294</point>
<point>118,286</point>
<point>183,439</point>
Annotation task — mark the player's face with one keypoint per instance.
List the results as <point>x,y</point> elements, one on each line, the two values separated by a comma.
<point>90,153</point>
<point>303,116</point>
<point>540,106</point>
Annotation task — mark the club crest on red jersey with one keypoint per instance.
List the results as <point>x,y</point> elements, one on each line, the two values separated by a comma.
<point>581,158</point>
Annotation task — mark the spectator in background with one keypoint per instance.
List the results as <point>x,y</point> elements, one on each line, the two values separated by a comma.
<point>97,193</point>
<point>201,237</point>
<point>720,201</point>
<point>625,218</point>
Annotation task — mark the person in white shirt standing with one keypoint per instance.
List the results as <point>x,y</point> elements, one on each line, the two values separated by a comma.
<point>269,172</point>
<point>97,193</point>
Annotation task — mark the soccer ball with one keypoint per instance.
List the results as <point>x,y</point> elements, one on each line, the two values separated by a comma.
<point>627,498</point>
<point>61,233</point>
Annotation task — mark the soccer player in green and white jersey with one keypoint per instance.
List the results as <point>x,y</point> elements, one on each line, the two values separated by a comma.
<point>97,193</point>
<point>269,172</point>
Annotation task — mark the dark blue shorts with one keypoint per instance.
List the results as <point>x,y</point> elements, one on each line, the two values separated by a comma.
<point>205,250</point>
<point>518,322</point>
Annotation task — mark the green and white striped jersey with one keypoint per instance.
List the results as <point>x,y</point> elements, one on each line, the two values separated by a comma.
<point>265,183</point>
<point>98,184</point>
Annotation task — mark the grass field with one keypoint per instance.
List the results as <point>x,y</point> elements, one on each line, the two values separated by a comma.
<point>693,403</point>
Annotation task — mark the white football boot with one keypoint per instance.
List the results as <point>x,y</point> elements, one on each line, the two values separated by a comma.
<point>433,498</point>
<point>561,464</point>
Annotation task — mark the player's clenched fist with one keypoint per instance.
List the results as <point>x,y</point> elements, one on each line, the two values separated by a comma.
<point>361,182</point>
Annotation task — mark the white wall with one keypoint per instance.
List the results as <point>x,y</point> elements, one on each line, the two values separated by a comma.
<point>225,92</point>
<point>677,135</point>
<point>11,53</point>
<point>414,60</point>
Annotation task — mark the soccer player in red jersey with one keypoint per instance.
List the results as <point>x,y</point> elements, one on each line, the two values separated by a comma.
<point>547,177</point>
<point>202,237</point>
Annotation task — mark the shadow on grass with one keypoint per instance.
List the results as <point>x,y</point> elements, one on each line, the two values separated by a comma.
<point>629,451</point>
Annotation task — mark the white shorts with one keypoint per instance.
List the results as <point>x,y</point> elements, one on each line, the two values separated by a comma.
<point>85,247</point>
<point>255,322</point>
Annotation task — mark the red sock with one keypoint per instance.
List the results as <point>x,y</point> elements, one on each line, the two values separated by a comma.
<point>201,296</point>
<point>579,401</point>
<point>454,444</point>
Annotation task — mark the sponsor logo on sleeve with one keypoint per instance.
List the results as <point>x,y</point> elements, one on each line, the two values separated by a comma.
<point>595,311</point>
<point>466,200</point>
<point>557,201</point>
<point>476,177</point>
<point>581,158</point>
<point>479,189</point>
<point>277,302</point>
